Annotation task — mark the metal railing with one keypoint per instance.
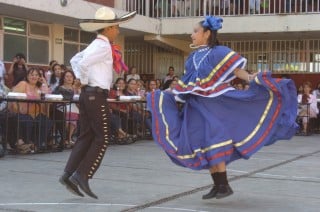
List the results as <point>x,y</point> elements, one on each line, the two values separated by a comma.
<point>193,8</point>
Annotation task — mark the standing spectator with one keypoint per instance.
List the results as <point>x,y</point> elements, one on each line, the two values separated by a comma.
<point>18,68</point>
<point>133,74</point>
<point>308,107</point>
<point>49,71</point>
<point>169,75</point>
<point>55,77</point>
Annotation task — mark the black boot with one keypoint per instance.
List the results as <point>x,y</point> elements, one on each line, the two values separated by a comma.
<point>212,193</point>
<point>224,189</point>
<point>83,183</point>
<point>64,180</point>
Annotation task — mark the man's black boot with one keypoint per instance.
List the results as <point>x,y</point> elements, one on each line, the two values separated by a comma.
<point>83,183</point>
<point>64,180</point>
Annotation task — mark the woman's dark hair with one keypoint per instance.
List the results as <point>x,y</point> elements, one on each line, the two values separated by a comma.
<point>61,82</point>
<point>31,70</point>
<point>53,78</point>
<point>52,62</point>
<point>212,40</point>
<point>167,84</point>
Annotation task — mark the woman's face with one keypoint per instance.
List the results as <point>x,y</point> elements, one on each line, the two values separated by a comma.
<point>132,85</point>
<point>199,37</point>
<point>68,78</point>
<point>133,71</point>
<point>306,89</point>
<point>57,71</point>
<point>121,84</point>
<point>33,77</point>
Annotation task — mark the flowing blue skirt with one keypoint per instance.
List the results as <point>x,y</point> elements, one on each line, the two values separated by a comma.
<point>234,125</point>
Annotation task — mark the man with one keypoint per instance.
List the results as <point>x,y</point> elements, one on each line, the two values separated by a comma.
<point>94,67</point>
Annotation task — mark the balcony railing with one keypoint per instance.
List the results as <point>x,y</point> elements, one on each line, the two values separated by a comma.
<point>194,8</point>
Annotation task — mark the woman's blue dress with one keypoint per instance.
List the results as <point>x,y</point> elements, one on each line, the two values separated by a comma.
<point>218,123</point>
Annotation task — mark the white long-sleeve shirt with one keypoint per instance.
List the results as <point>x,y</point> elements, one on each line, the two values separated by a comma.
<point>94,65</point>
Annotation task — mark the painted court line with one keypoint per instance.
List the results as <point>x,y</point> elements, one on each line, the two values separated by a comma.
<point>91,204</point>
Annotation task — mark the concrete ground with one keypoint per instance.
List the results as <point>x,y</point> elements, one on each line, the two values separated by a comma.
<point>284,177</point>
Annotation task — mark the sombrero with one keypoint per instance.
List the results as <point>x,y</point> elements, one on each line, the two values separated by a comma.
<point>104,17</point>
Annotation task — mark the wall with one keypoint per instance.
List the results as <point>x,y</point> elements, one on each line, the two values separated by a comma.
<point>109,3</point>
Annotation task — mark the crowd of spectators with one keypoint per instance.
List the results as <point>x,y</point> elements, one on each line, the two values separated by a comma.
<point>129,119</point>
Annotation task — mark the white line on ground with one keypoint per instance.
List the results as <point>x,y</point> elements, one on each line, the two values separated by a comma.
<point>278,176</point>
<point>91,204</point>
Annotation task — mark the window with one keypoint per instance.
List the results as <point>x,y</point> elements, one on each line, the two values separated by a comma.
<point>29,38</point>
<point>12,45</point>
<point>75,41</point>
<point>39,51</point>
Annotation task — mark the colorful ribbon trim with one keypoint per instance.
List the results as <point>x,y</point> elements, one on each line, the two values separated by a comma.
<point>118,64</point>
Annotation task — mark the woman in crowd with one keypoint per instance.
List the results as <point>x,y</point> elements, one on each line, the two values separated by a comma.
<point>133,74</point>
<point>68,88</point>
<point>55,77</point>
<point>118,110</point>
<point>308,106</point>
<point>18,68</point>
<point>32,116</point>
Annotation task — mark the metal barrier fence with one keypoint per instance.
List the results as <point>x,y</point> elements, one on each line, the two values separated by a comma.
<point>41,124</point>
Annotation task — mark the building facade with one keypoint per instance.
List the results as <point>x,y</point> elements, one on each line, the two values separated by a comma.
<point>279,35</point>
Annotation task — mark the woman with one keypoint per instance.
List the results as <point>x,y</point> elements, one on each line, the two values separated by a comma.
<point>55,77</point>
<point>118,110</point>
<point>67,88</point>
<point>219,124</point>
<point>32,115</point>
<point>18,68</point>
<point>308,106</point>
<point>133,74</point>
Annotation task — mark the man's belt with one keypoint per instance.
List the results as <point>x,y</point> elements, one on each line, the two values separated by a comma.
<point>94,90</point>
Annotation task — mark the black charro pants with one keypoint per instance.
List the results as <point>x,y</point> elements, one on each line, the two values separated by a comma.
<point>94,137</point>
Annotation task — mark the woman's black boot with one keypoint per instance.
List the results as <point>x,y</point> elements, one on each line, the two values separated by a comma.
<point>223,188</point>
<point>212,193</point>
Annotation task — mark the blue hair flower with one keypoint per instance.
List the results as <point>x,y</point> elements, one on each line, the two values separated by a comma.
<point>212,22</point>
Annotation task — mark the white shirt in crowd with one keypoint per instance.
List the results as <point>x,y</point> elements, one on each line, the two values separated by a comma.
<point>133,76</point>
<point>94,65</point>
<point>2,72</point>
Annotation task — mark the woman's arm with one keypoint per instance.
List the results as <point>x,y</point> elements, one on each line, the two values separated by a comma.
<point>244,75</point>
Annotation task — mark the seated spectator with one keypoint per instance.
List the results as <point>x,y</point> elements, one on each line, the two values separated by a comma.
<point>118,110</point>
<point>131,89</point>
<point>133,74</point>
<point>32,116</point>
<point>141,89</point>
<point>18,68</point>
<point>308,106</point>
<point>67,88</point>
